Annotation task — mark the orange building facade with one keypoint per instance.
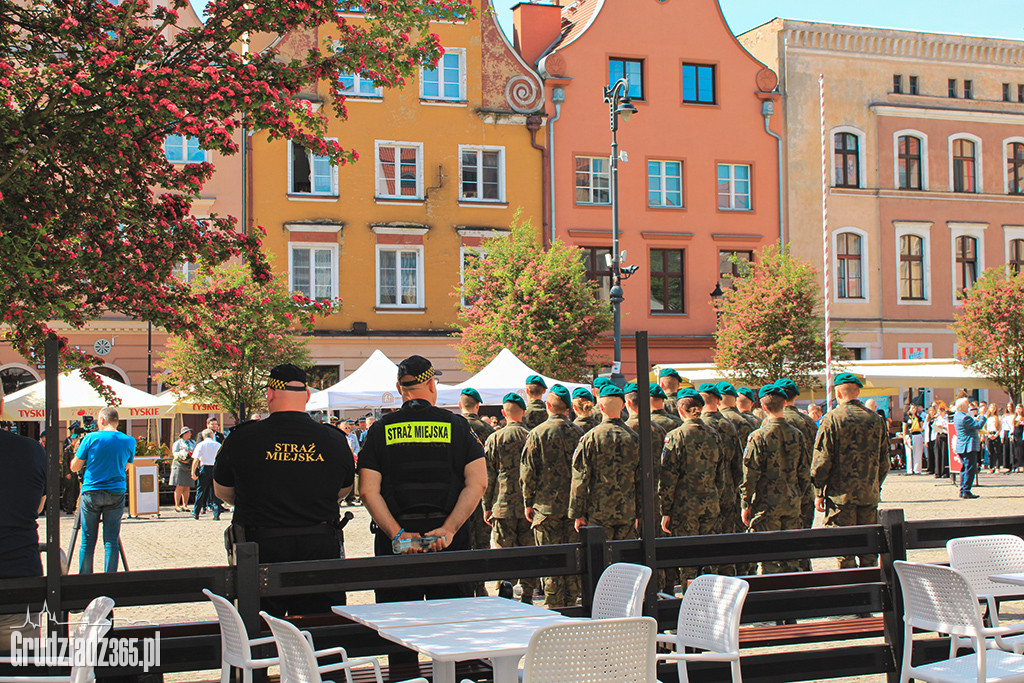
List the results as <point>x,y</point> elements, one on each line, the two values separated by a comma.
<point>698,180</point>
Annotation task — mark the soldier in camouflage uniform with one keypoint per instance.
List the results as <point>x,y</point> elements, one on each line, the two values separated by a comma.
<point>480,532</point>
<point>659,414</point>
<point>809,429</point>
<point>687,482</point>
<point>583,405</point>
<point>545,476</point>
<point>744,428</point>
<point>851,459</point>
<point>772,476</point>
<point>657,433</point>
<point>503,500</point>
<point>745,403</point>
<point>606,472</point>
<point>536,412</point>
<point>670,381</point>
<point>730,455</point>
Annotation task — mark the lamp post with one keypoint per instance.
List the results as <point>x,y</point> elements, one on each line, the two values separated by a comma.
<point>617,98</point>
<point>716,298</point>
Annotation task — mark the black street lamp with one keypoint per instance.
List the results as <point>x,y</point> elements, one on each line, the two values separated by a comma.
<point>716,299</point>
<point>619,104</point>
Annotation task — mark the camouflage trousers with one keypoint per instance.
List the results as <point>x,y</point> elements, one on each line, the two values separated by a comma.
<point>511,533</point>
<point>777,523</point>
<point>687,526</point>
<point>559,591</point>
<point>480,539</point>
<point>730,522</point>
<point>806,522</point>
<point>853,515</point>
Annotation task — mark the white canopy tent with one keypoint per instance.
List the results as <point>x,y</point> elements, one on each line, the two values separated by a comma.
<point>504,374</point>
<point>371,385</point>
<point>77,398</point>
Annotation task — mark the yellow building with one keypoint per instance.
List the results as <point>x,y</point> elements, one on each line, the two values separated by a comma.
<point>443,165</point>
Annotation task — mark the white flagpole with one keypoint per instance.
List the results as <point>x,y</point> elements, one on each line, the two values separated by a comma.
<point>825,245</point>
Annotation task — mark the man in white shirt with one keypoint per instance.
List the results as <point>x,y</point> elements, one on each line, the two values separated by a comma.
<point>203,458</point>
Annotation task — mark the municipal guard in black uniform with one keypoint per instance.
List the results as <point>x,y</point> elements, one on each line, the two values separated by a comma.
<point>286,475</point>
<point>421,474</point>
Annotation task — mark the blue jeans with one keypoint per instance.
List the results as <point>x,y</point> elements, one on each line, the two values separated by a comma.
<point>204,492</point>
<point>970,468</point>
<point>108,506</point>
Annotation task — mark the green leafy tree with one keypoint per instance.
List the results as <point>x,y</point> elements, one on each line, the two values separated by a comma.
<point>990,330</point>
<point>538,303</point>
<point>771,324</point>
<point>225,359</point>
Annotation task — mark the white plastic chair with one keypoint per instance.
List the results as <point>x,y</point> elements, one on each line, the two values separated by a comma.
<point>939,599</point>
<point>298,661</point>
<point>977,558</point>
<point>236,646</point>
<point>620,591</point>
<point>593,651</point>
<point>88,631</point>
<point>709,620</point>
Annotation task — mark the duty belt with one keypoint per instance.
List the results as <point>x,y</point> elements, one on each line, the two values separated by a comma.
<point>257,532</point>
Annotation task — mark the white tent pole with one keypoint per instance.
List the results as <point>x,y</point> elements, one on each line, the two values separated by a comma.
<point>824,244</point>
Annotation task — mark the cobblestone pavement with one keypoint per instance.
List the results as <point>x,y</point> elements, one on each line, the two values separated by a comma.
<point>175,539</point>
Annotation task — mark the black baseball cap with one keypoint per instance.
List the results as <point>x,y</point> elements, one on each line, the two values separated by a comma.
<point>280,375</point>
<point>417,367</point>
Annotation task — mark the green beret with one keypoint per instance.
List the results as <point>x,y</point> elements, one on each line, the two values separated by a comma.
<point>771,390</point>
<point>709,388</point>
<point>584,393</point>
<point>847,378</point>
<point>612,390</point>
<point>656,391</point>
<point>513,397</point>
<point>472,393</point>
<point>727,389</point>
<point>669,372</point>
<point>630,388</point>
<point>537,379</point>
<point>690,393</point>
<point>562,393</point>
<point>789,386</point>
<point>748,392</point>
<point>600,382</point>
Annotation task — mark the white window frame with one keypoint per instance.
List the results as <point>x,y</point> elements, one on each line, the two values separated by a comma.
<point>979,156</point>
<point>357,81</point>
<point>923,137</point>
<point>590,172</point>
<point>186,270</point>
<point>418,248</point>
<point>184,151</point>
<point>732,186</point>
<point>1010,233</point>
<point>975,230</point>
<point>861,183</point>
<point>501,173</point>
<point>865,269</point>
<point>333,248</point>
<point>312,191</point>
<point>682,194</point>
<point>440,97</point>
<point>1006,172</point>
<point>480,251</point>
<point>924,231</point>
<point>398,180</point>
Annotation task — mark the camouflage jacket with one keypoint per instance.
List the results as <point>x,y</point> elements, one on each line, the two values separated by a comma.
<point>504,454</point>
<point>588,423</point>
<point>851,455</point>
<point>545,473</point>
<point>743,427</point>
<point>687,485</point>
<point>772,477</point>
<point>754,420</point>
<point>481,429</point>
<point>666,421</point>
<point>670,406</point>
<point>606,475</point>
<point>730,455</point>
<point>536,413</point>
<point>809,429</point>
<point>657,442</point>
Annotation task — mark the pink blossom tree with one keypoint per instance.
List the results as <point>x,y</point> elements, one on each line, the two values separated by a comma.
<point>538,303</point>
<point>990,329</point>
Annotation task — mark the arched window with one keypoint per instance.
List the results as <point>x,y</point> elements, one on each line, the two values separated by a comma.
<point>1015,168</point>
<point>910,163</point>
<point>1015,257</point>
<point>912,268</point>
<point>966,263</point>
<point>849,266</point>
<point>965,174</point>
<point>846,160</point>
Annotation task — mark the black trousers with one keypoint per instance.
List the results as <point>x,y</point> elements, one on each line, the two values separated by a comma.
<point>276,546</point>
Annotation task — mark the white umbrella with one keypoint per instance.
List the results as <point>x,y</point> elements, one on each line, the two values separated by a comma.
<point>506,373</point>
<point>76,398</point>
<point>186,404</point>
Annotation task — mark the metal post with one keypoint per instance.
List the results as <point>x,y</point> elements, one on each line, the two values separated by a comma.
<point>53,457</point>
<point>616,290</point>
<point>648,519</point>
<point>149,358</point>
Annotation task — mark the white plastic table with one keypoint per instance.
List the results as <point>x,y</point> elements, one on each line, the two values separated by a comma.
<point>458,629</point>
<point>1015,579</point>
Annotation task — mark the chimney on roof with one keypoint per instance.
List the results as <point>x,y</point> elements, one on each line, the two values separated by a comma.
<point>535,27</point>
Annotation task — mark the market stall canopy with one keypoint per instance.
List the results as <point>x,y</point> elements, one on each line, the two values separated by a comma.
<point>371,385</point>
<point>76,398</point>
<point>185,404</point>
<point>503,374</point>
